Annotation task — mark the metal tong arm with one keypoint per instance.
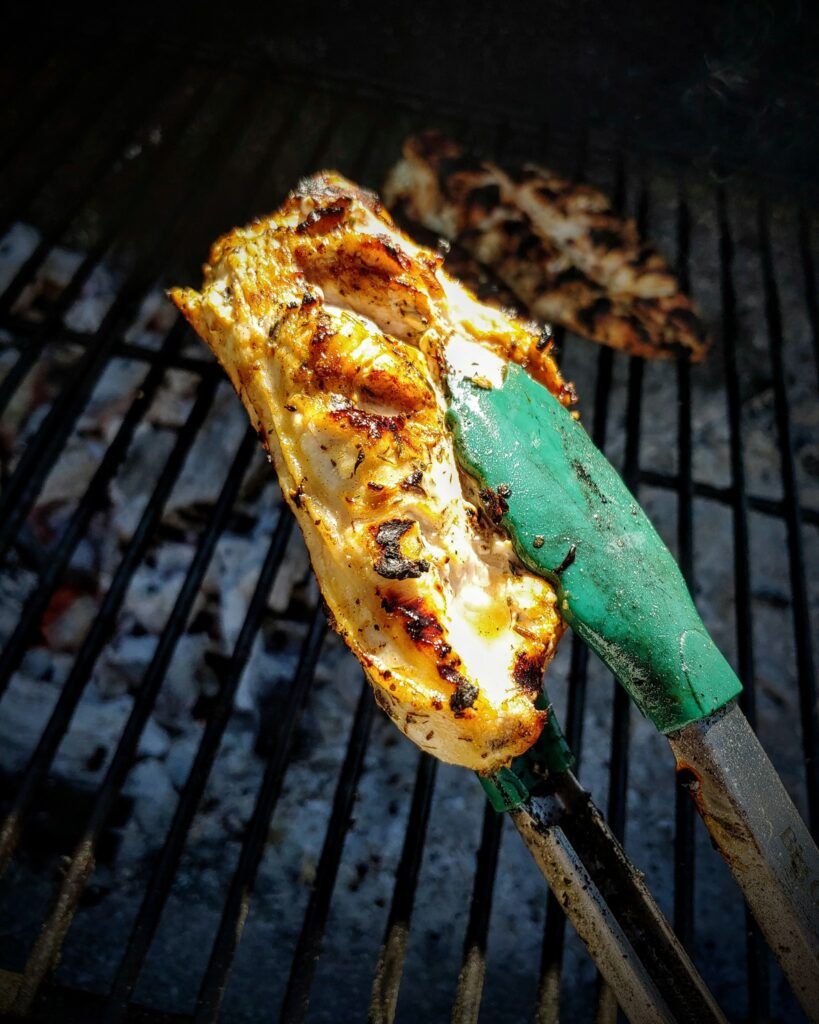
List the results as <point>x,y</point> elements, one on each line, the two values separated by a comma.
<point>609,905</point>
<point>764,841</point>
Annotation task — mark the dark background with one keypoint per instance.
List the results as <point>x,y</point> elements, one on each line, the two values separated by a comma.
<point>730,87</point>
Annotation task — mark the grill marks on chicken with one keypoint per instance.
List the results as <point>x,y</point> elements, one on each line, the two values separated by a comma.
<point>335,330</point>
<point>557,244</point>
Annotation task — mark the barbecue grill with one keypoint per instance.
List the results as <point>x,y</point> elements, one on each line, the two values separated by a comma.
<point>204,813</point>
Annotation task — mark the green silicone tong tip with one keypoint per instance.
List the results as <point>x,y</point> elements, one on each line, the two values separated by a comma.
<point>573,520</point>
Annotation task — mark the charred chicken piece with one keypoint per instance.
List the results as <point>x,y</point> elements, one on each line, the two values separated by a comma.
<point>558,245</point>
<point>336,331</point>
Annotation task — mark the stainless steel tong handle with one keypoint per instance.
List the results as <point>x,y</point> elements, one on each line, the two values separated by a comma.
<point>764,841</point>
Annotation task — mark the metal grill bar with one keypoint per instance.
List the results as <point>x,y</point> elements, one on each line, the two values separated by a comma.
<point>621,706</point>
<point>758,987</point>
<point>684,848</point>
<point>726,496</point>
<point>390,965</point>
<point>41,97</point>
<point>308,947</point>
<point>467,1003</point>
<point>64,549</point>
<point>159,884</point>
<point>51,327</point>
<point>81,115</point>
<point>61,553</point>
<point>44,447</point>
<point>47,948</point>
<point>83,863</point>
<point>237,902</point>
<point>801,614</point>
<point>72,690</point>
<point>85,190</point>
<point>809,271</point>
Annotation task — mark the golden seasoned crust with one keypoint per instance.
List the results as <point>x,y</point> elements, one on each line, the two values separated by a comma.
<point>334,328</point>
<point>557,244</point>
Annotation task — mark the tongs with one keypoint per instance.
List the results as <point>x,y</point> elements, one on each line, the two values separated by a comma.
<point>601,892</point>
<point>572,519</point>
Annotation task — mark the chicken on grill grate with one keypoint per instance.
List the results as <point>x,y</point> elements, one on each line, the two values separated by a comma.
<point>336,331</point>
<point>557,244</point>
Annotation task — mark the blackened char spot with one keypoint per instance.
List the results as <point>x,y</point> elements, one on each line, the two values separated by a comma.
<point>605,238</point>
<point>391,531</point>
<point>519,175</point>
<point>413,481</point>
<point>432,145</point>
<point>486,197</point>
<point>392,565</point>
<point>323,330</point>
<point>466,693</point>
<point>528,672</point>
<point>420,624</point>
<point>529,246</point>
<point>547,192</point>
<point>514,227</point>
<point>463,164</point>
<point>689,320</point>
<point>494,503</point>
<point>588,315</point>
<point>322,219</point>
<point>396,255</point>
<point>546,334</point>
<point>641,332</point>
<point>571,275</point>
<point>373,424</point>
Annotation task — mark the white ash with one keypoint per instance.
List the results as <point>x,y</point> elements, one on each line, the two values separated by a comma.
<point>16,245</point>
<point>31,400</point>
<point>131,489</point>
<point>98,294</point>
<point>197,666</point>
<point>27,703</point>
<point>123,663</point>
<point>51,278</point>
<point>155,318</point>
<point>209,458</point>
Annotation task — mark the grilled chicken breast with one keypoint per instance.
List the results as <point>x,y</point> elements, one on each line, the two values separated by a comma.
<point>337,332</point>
<point>557,244</point>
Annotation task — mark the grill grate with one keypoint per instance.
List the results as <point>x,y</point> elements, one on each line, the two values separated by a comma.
<point>226,147</point>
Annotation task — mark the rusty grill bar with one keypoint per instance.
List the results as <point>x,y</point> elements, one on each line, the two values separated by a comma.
<point>193,183</point>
